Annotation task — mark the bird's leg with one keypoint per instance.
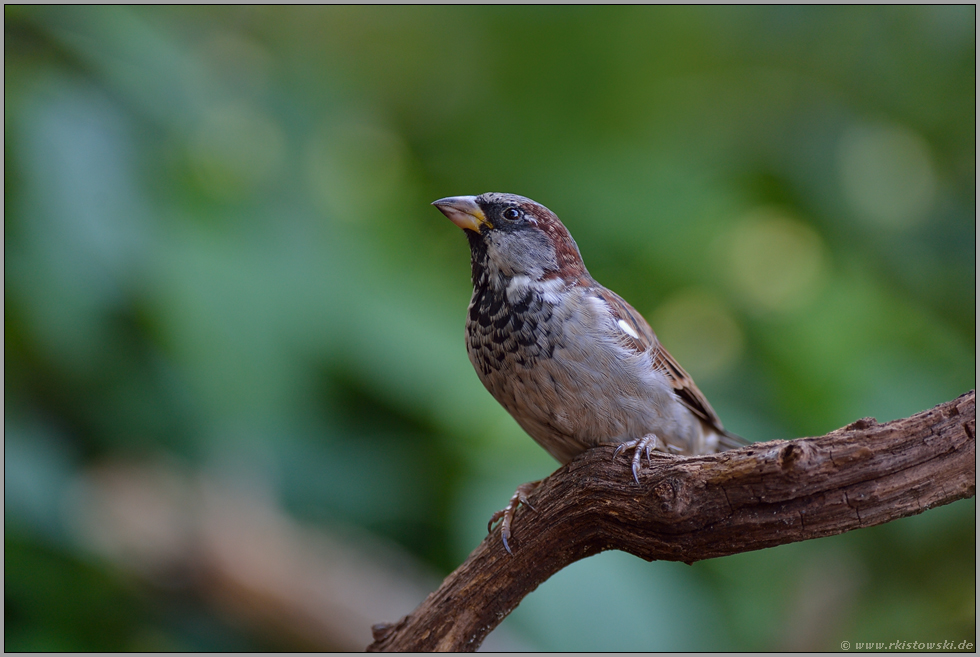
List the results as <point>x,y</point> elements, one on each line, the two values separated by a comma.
<point>641,446</point>
<point>506,514</point>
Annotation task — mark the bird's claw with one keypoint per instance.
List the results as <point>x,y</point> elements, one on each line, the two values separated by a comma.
<point>641,446</point>
<point>506,514</point>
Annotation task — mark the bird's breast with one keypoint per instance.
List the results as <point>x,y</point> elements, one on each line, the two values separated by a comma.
<point>508,330</point>
<point>550,358</point>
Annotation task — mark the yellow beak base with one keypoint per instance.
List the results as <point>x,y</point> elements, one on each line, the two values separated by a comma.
<point>464,212</point>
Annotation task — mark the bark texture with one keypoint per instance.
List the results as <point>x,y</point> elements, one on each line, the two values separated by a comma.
<point>693,508</point>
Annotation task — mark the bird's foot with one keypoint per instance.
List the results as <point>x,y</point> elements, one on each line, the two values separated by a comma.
<point>506,514</point>
<point>641,446</point>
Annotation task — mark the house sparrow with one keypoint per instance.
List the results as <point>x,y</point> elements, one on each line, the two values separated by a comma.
<point>574,363</point>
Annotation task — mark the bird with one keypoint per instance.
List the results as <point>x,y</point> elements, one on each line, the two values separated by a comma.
<point>572,362</point>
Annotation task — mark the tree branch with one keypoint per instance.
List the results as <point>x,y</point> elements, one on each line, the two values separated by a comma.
<point>693,508</point>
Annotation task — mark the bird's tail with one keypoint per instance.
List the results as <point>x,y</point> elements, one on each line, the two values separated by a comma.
<point>728,440</point>
<point>720,440</point>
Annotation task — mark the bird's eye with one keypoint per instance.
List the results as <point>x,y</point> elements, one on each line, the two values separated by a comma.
<point>512,214</point>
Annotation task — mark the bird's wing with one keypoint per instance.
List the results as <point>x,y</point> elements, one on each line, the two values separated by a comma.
<point>640,337</point>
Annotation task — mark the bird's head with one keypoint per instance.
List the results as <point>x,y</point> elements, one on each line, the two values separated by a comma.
<point>511,235</point>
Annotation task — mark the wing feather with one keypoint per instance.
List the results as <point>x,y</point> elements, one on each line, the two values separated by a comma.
<point>646,341</point>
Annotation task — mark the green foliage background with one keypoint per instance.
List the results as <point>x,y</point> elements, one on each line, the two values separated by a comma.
<point>219,252</point>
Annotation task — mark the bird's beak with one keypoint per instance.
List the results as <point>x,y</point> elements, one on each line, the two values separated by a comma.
<point>464,212</point>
